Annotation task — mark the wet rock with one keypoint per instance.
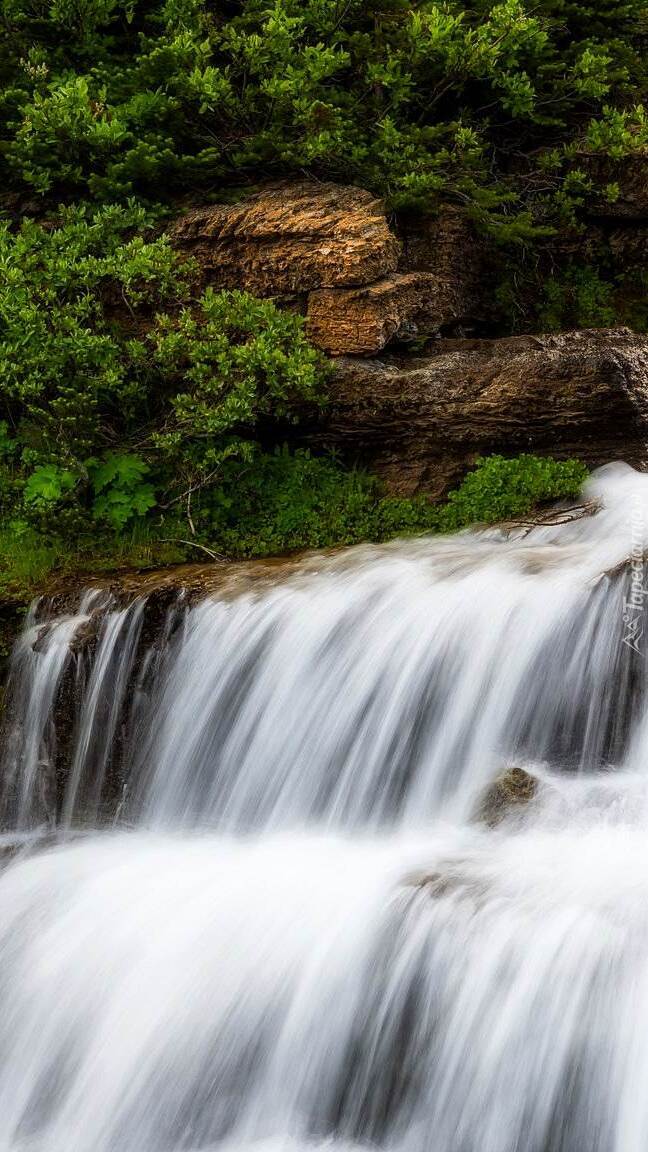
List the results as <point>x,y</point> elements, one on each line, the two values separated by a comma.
<point>291,238</point>
<point>451,879</point>
<point>161,587</point>
<point>87,634</point>
<point>436,883</point>
<point>420,422</point>
<point>514,789</point>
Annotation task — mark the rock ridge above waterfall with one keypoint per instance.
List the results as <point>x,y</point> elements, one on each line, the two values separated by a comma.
<point>421,421</point>
<point>362,281</point>
<point>410,291</point>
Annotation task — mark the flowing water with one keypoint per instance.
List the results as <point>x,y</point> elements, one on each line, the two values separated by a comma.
<point>249,898</point>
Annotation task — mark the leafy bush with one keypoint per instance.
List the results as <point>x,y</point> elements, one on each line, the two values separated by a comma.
<point>291,501</point>
<point>284,502</point>
<point>503,489</point>
<point>408,97</point>
<point>113,407</point>
<point>577,298</point>
<point>128,399</point>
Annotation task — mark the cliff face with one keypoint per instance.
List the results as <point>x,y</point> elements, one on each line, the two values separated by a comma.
<point>421,422</point>
<point>363,282</point>
<point>398,305</point>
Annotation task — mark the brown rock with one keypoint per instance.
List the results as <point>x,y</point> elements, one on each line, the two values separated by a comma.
<point>443,284</point>
<point>361,321</point>
<point>421,422</point>
<point>449,246</point>
<point>514,789</point>
<point>290,238</point>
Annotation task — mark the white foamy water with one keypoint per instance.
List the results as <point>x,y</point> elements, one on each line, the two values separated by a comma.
<point>304,939</point>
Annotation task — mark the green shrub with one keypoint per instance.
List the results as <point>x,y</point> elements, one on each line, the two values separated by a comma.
<point>503,489</point>
<point>409,97</point>
<point>278,503</point>
<point>291,501</point>
<point>577,298</point>
<point>112,407</point>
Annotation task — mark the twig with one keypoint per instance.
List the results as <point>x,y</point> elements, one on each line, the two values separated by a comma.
<point>193,544</point>
<point>192,488</point>
<point>560,516</point>
<point>192,526</point>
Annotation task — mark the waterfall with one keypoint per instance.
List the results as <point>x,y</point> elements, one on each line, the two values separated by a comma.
<point>249,898</point>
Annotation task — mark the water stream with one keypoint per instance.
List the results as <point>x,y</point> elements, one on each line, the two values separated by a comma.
<point>249,901</point>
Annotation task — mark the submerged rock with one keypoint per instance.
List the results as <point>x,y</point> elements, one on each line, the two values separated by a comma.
<point>515,788</point>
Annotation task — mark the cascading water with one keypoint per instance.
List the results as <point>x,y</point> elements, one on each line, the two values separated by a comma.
<point>269,914</point>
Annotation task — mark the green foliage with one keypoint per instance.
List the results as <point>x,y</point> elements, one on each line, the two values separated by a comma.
<point>410,97</point>
<point>131,400</point>
<point>112,406</point>
<point>578,298</point>
<point>229,363</point>
<point>278,503</point>
<point>47,485</point>
<point>29,559</point>
<point>618,132</point>
<point>502,489</point>
<point>287,502</point>
<point>121,494</point>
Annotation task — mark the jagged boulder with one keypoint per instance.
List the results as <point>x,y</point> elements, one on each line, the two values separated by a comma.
<point>290,238</point>
<point>442,285</point>
<point>332,247</point>
<point>420,422</point>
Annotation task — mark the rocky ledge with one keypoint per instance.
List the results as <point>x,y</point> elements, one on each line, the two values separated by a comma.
<point>420,422</point>
<point>361,281</point>
<point>403,307</point>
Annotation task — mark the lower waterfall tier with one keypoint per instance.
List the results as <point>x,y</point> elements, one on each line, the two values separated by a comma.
<point>465,991</point>
<point>252,898</point>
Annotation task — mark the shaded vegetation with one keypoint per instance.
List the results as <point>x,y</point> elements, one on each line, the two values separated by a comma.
<point>111,412</point>
<point>288,502</point>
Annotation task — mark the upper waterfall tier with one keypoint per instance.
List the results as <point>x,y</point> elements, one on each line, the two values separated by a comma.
<point>383,686</point>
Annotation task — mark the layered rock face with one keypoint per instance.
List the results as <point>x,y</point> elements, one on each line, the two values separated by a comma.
<point>421,422</point>
<point>331,248</point>
<point>290,239</point>
<point>370,287</point>
<point>362,321</point>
